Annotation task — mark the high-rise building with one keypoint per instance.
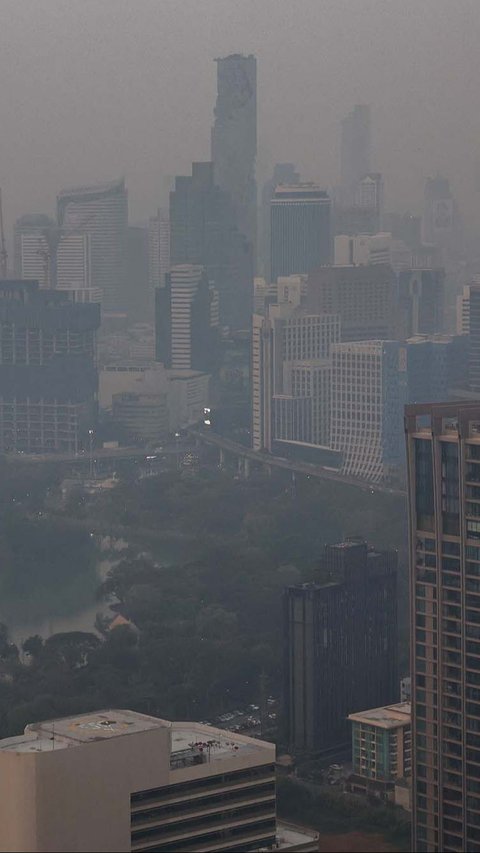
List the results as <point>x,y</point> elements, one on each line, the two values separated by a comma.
<point>363,296</point>
<point>439,215</point>
<point>186,320</point>
<point>420,307</point>
<point>283,173</point>
<point>138,302</point>
<point>48,377</point>
<point>123,781</point>
<point>158,249</point>
<point>369,391</point>
<point>102,213</point>
<point>262,382</point>
<point>443,453</point>
<point>369,196</point>
<point>474,338</point>
<point>30,246</point>
<point>291,370</point>
<point>300,229</point>
<point>355,150</point>
<point>463,311</point>
<point>55,257</point>
<point>381,750</point>
<point>340,645</point>
<point>234,138</point>
<point>203,230</point>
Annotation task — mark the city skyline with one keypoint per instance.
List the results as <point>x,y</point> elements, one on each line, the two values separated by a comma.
<point>405,148</point>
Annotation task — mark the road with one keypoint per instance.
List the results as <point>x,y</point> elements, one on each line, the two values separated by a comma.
<point>309,470</point>
<point>98,455</point>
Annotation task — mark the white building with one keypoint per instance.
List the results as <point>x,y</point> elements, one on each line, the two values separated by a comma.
<point>368,395</point>
<point>74,267</point>
<point>102,213</point>
<point>185,282</point>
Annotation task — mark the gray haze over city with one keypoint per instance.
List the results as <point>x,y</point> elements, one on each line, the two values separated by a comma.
<point>94,89</point>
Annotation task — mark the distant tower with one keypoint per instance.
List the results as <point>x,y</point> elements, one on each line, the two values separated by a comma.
<point>234,137</point>
<point>300,229</point>
<point>438,223</point>
<point>102,212</point>
<point>355,150</point>
<point>283,173</point>
<point>158,249</point>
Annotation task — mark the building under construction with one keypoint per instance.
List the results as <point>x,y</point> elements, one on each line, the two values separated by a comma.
<point>48,375</point>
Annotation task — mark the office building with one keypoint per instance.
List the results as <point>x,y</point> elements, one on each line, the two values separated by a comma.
<point>369,196</point>
<point>443,453</point>
<point>364,298</point>
<point>439,215</point>
<point>203,230</point>
<point>262,382</point>
<point>381,750</point>
<point>186,320</point>
<point>58,258</point>
<point>436,365</point>
<point>291,370</point>
<point>369,391</point>
<point>363,249</point>
<point>339,645</point>
<point>48,377</point>
<point>300,229</point>
<point>123,781</point>
<point>102,213</point>
<point>138,302</point>
<point>355,150</point>
<point>158,250</point>
<point>142,417</point>
<point>474,338</point>
<point>283,173</point>
<point>234,138</point>
<point>30,246</point>
<point>463,311</point>
<point>420,302</point>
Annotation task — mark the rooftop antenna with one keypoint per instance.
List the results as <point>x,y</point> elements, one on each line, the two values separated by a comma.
<point>3,250</point>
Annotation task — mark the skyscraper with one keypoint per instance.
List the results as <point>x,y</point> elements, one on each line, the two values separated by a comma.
<point>363,296</point>
<point>158,249</point>
<point>355,150</point>
<point>369,196</point>
<point>369,391</point>
<point>300,229</point>
<point>234,137</point>
<point>438,223</point>
<point>340,645</point>
<point>48,377</point>
<point>186,320</point>
<point>283,173</point>
<point>203,230</point>
<point>443,453</point>
<point>30,246</point>
<point>474,338</point>
<point>102,213</point>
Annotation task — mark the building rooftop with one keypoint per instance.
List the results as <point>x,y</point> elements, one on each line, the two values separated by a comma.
<point>191,743</point>
<point>389,717</point>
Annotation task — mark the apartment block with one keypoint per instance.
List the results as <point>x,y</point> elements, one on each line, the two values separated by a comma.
<point>381,749</point>
<point>443,452</point>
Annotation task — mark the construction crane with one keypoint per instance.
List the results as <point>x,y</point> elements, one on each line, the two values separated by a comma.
<point>3,248</point>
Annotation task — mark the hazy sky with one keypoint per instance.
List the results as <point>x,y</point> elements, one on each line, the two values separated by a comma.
<point>93,89</point>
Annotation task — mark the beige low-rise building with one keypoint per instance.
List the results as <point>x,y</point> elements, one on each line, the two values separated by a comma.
<point>122,781</point>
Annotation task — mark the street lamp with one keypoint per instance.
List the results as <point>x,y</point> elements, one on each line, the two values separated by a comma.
<point>90,433</point>
<point>177,438</point>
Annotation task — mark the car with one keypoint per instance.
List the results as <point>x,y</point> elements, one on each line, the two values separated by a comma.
<point>254,707</point>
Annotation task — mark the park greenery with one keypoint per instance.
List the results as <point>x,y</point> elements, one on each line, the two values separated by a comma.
<point>207,620</point>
